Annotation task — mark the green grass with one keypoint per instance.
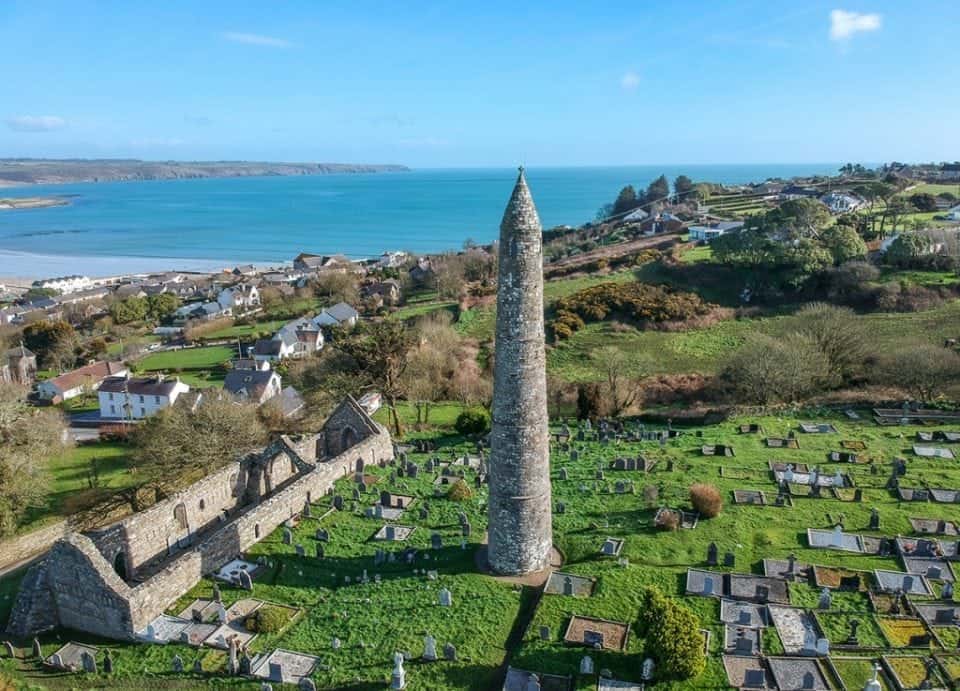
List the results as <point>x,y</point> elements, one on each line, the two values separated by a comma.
<point>857,671</point>
<point>69,474</point>
<point>419,309</point>
<point>248,330</point>
<point>187,359</point>
<point>934,189</point>
<point>921,278</point>
<point>487,613</point>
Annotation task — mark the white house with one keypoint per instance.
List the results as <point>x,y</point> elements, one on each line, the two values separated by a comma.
<point>340,314</point>
<point>65,284</point>
<point>240,298</point>
<point>302,336</point>
<point>710,231</point>
<point>72,384</point>
<point>636,216</point>
<point>842,202</point>
<point>371,402</point>
<point>136,398</point>
<point>256,386</point>
<point>392,260</point>
<point>271,350</point>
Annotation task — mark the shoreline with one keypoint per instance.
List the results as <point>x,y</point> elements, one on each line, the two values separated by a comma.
<point>27,203</point>
<point>17,267</point>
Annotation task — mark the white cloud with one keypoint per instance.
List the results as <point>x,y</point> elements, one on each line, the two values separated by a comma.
<point>35,123</point>
<point>845,24</point>
<point>256,39</point>
<point>630,81</point>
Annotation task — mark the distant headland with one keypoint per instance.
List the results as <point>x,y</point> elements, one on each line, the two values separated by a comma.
<point>31,171</point>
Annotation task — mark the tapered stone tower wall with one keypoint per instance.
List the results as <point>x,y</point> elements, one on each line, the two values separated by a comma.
<point>520,530</point>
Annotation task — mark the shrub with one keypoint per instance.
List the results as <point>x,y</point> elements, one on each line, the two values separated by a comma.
<point>459,491</point>
<point>673,636</point>
<point>706,499</point>
<point>668,520</point>
<point>268,619</point>
<point>473,421</point>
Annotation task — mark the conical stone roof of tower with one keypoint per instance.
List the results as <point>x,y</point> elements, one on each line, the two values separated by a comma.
<point>521,213</point>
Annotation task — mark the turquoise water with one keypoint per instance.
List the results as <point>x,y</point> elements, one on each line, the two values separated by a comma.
<point>271,219</point>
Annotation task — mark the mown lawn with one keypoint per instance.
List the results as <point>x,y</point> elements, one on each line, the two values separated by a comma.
<point>248,330</point>
<point>187,359</point>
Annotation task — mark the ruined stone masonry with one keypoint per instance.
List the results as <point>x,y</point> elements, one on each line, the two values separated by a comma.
<point>114,581</point>
<point>520,529</point>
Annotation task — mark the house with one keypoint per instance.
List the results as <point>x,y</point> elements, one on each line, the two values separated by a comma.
<point>636,216</point>
<point>389,290</point>
<point>270,350</point>
<point>842,202</point>
<point>277,278</point>
<point>130,290</point>
<point>136,398</point>
<point>370,402</point>
<point>710,231</point>
<point>256,386</point>
<point>72,384</point>
<point>954,213</point>
<point>249,363</point>
<point>663,222</point>
<point>19,365</point>
<point>202,311</point>
<point>422,271</point>
<point>798,192</point>
<point>291,402</point>
<point>64,284</point>
<point>301,336</point>
<point>313,263</point>
<point>245,270</point>
<point>950,171</point>
<point>340,314</point>
<point>240,298</point>
<point>81,296</point>
<point>12,315</point>
<point>392,260</point>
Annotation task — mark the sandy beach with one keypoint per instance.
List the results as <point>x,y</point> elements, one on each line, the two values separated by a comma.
<point>19,268</point>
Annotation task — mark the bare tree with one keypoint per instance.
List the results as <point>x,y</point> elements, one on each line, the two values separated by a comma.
<point>620,373</point>
<point>924,370</point>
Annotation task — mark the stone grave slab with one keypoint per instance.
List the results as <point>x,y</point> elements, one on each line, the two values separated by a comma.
<point>779,467</point>
<point>741,640</point>
<point>840,579</point>
<point>853,445</point>
<point>781,443</point>
<point>919,547</point>
<point>939,614</point>
<point>749,496</point>
<point>746,672</point>
<point>817,428</point>
<point>243,607</point>
<point>933,452</point>
<point>295,666</point>
<point>934,526</point>
<point>794,626</point>
<point>581,586</point>
<point>391,514</point>
<point>230,572</point>
<point>611,547</point>
<point>520,680</point>
<point>206,607</point>
<point>580,629</point>
<point>610,684</point>
<point>716,450</point>
<point>224,633</point>
<point>832,539</point>
<point>744,586</point>
<point>743,614</point>
<point>945,496</point>
<point>797,674</point>
<point>933,569</point>
<point>780,568</point>
<point>891,581</point>
<point>706,583</point>
<point>752,428</point>
<point>70,656</point>
<point>164,629</point>
<point>400,533</point>
<point>912,494</point>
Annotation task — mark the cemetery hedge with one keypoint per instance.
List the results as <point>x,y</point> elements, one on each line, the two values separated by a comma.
<point>672,636</point>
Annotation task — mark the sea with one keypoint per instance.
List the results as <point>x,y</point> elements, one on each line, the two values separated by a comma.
<point>122,227</point>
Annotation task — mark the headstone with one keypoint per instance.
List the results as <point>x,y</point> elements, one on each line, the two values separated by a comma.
<point>306,684</point>
<point>338,502</point>
<point>561,508</point>
<point>708,585</point>
<point>567,585</point>
<point>647,669</point>
<point>809,641</point>
<point>544,633</point>
<point>563,474</point>
<point>593,639</point>
<point>37,650</point>
<point>319,550</point>
<point>390,532</point>
<point>89,663</point>
<point>449,652</point>
<point>198,666</point>
<point>429,648</point>
<point>586,665</point>
<point>465,530</point>
<point>245,663</point>
<point>217,597</point>
<point>947,592</point>
<point>275,671</point>
<point>934,573</point>
<point>874,519</point>
<point>336,644</point>
<point>8,647</point>
<point>307,509</point>
<point>245,581</point>
<point>356,494</point>
<point>825,599</point>
<point>287,536</point>
<point>398,676</point>
<point>301,552</point>
<point>436,541</point>
<point>107,662</point>
<point>712,554</point>
<point>823,647</point>
<point>729,559</point>
<point>445,598</point>
<point>233,666</point>
<point>177,664</point>
<point>742,645</point>
<point>754,679</point>
<point>907,583</point>
<point>808,681</point>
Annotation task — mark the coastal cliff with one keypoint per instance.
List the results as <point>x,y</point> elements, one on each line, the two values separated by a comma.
<point>51,172</point>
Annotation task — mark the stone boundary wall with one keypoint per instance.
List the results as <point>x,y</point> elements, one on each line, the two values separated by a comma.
<point>20,548</point>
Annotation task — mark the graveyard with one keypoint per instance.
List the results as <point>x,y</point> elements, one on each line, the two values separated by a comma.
<point>816,570</point>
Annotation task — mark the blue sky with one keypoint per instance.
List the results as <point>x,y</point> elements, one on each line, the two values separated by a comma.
<point>482,84</point>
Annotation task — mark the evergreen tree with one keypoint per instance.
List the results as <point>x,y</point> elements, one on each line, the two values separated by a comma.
<point>626,200</point>
<point>682,186</point>
<point>658,190</point>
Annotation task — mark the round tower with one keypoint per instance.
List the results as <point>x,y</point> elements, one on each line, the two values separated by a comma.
<point>519,512</point>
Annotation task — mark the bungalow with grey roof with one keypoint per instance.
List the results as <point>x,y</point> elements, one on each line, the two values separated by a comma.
<point>256,386</point>
<point>710,231</point>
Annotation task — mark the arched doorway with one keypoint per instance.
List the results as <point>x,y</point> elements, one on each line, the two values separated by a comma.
<point>120,565</point>
<point>347,438</point>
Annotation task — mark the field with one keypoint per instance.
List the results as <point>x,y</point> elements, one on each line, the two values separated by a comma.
<point>494,622</point>
<point>247,331</point>
<point>187,359</point>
